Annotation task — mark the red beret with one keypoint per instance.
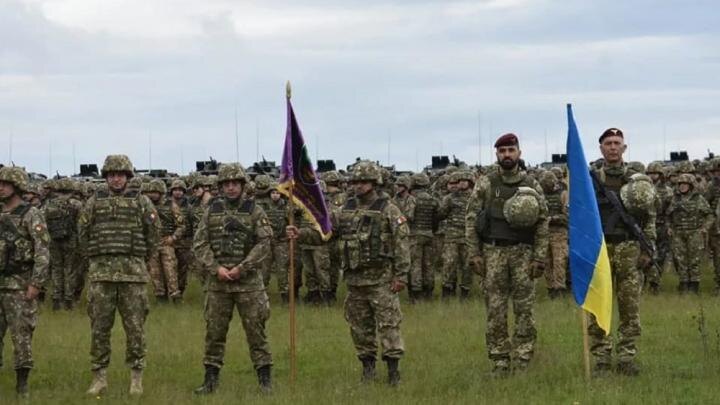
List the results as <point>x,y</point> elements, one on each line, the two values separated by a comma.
<point>611,132</point>
<point>507,140</point>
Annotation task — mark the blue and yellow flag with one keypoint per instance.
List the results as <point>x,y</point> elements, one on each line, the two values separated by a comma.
<point>589,262</point>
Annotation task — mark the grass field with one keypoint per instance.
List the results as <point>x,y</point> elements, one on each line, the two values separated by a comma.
<point>445,357</point>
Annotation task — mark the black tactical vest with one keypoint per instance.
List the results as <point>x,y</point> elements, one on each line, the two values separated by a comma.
<point>613,226</point>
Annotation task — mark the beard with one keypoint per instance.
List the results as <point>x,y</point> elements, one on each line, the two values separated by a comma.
<point>508,164</point>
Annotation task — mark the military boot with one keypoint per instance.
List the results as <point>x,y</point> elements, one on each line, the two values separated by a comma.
<point>57,305</point>
<point>464,294</point>
<point>428,293</point>
<point>447,293</point>
<point>328,297</point>
<point>654,288</point>
<point>21,386</point>
<point>683,287</point>
<point>694,287</point>
<point>265,379</point>
<point>210,384</point>
<point>69,305</point>
<point>285,298</point>
<point>136,386</point>
<point>628,368</point>
<point>368,371</point>
<point>393,372</point>
<point>99,383</point>
<point>501,369</point>
<point>601,369</point>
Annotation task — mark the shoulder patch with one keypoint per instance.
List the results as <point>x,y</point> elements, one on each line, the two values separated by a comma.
<point>401,220</point>
<point>39,228</point>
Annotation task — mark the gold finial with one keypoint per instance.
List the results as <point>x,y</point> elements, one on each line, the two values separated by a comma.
<point>288,90</point>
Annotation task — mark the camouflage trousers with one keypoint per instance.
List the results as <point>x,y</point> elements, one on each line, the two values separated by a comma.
<point>714,245</point>
<point>18,315</point>
<point>80,275</point>
<point>163,272</point>
<point>128,299</point>
<point>455,266</point>
<point>663,252</point>
<point>279,264</point>
<point>688,248</point>
<point>507,276</point>
<point>374,311</point>
<point>557,261</point>
<point>336,263</point>
<point>627,285</point>
<point>438,249</point>
<point>316,265</point>
<point>254,310</point>
<point>422,271</point>
<point>62,269</point>
<point>185,260</point>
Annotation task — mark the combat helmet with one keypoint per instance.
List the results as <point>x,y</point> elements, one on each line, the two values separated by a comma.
<point>522,210</point>
<point>366,171</point>
<point>420,180</point>
<point>405,181</point>
<point>64,184</point>
<point>177,183</point>
<point>685,166</point>
<point>548,180</point>
<point>686,178</point>
<point>231,171</point>
<point>118,163</point>
<point>714,164</point>
<point>155,185</point>
<point>262,182</point>
<point>15,176</point>
<point>135,183</point>
<point>655,167</point>
<point>332,178</point>
<point>638,195</point>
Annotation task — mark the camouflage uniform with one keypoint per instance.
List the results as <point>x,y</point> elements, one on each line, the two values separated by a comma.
<point>455,267</point>
<point>118,233</point>
<point>507,253</point>
<point>712,195</point>
<point>664,195</point>
<point>422,274</point>
<point>336,200</point>
<point>316,266</point>
<point>277,212</point>
<point>25,260</point>
<point>624,253</point>
<point>234,233</point>
<point>557,261</point>
<point>183,246</point>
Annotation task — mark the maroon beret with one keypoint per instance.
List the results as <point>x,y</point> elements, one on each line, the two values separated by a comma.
<point>507,140</point>
<point>611,132</point>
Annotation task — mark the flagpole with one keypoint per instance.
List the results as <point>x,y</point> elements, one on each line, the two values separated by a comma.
<point>586,343</point>
<point>291,277</point>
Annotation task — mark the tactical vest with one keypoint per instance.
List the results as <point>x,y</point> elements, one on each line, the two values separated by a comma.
<point>425,213</point>
<point>186,210</point>
<point>231,231</point>
<point>16,246</point>
<point>555,208</point>
<point>167,219</point>
<point>456,216</point>
<point>686,214</point>
<point>364,241</point>
<point>117,227</point>
<point>496,226</point>
<point>613,226</point>
<point>277,215</point>
<point>60,218</point>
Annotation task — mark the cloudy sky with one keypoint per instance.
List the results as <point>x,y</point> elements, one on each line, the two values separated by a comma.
<point>161,80</point>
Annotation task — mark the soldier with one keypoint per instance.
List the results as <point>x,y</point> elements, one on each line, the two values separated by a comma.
<point>118,233</point>
<point>24,264</point>
<point>163,264</point>
<point>336,197</point>
<point>34,195</point>
<point>625,257</point>
<point>452,209</point>
<point>183,246</point>
<point>690,219</point>
<point>403,199</point>
<point>713,198</point>
<point>61,214</point>
<point>316,265</point>
<point>276,210</point>
<point>231,242</point>
<point>557,262</point>
<point>374,234</point>
<point>507,236</point>
<point>664,195</point>
<point>422,274</point>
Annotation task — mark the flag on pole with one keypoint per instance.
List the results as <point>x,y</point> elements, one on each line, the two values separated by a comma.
<point>589,262</point>
<point>298,180</point>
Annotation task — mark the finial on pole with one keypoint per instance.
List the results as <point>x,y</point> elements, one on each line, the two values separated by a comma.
<point>288,90</point>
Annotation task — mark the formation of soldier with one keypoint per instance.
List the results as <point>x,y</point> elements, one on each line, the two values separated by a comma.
<point>489,231</point>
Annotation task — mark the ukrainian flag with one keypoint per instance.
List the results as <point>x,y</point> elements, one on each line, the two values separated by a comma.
<point>589,262</point>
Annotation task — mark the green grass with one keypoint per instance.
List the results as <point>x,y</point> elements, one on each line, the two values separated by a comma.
<point>445,358</point>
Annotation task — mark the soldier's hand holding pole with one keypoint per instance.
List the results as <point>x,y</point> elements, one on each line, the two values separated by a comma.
<point>292,232</point>
<point>397,285</point>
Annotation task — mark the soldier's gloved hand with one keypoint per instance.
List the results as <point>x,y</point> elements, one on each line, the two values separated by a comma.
<point>397,285</point>
<point>292,232</point>
<point>223,274</point>
<point>537,269</point>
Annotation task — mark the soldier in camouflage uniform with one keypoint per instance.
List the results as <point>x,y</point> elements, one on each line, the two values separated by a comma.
<point>61,212</point>
<point>441,189</point>
<point>34,195</point>
<point>664,195</point>
<point>276,210</point>
<point>118,232</point>
<point>24,265</point>
<point>712,195</point>
<point>376,246</point>
<point>452,208</point>
<point>163,264</point>
<point>183,246</point>
<point>557,262</point>
<point>690,220</point>
<point>316,266</point>
<point>507,237</point>
<point>625,257</point>
<point>422,272</point>
<point>232,240</point>
<point>336,198</point>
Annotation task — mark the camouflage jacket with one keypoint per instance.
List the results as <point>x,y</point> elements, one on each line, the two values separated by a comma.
<point>25,240</point>
<point>406,205</point>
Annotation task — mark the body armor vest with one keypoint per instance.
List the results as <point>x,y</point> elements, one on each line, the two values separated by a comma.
<point>612,224</point>
<point>16,246</point>
<point>117,227</point>
<point>496,226</point>
<point>167,219</point>
<point>231,231</point>
<point>363,238</point>
<point>60,218</point>
<point>555,208</point>
<point>276,213</point>
<point>425,213</point>
<point>686,214</point>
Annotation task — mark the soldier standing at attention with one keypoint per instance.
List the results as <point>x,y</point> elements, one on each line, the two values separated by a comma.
<point>422,272</point>
<point>507,234</point>
<point>452,209</point>
<point>557,201</point>
<point>336,197</point>
<point>118,232</point>
<point>183,246</point>
<point>664,194</point>
<point>375,241</point>
<point>24,263</point>
<point>232,240</point>
<point>713,198</point>
<point>276,210</point>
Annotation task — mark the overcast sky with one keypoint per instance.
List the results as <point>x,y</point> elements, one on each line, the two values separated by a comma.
<point>429,77</point>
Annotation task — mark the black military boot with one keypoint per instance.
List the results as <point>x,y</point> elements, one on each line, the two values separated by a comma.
<point>368,371</point>
<point>57,305</point>
<point>393,372</point>
<point>69,305</point>
<point>21,386</point>
<point>285,298</point>
<point>448,293</point>
<point>428,293</point>
<point>212,379</point>
<point>464,294</point>
<point>601,369</point>
<point>694,287</point>
<point>683,287</point>
<point>328,297</point>
<point>265,379</point>
<point>628,368</point>
<point>654,288</point>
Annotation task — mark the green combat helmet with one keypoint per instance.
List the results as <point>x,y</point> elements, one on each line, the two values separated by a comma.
<point>548,181</point>
<point>118,163</point>
<point>262,182</point>
<point>177,183</point>
<point>522,210</point>
<point>231,171</point>
<point>367,171</point>
<point>155,185</point>
<point>466,175</point>
<point>420,180</point>
<point>685,166</point>
<point>686,178</point>
<point>558,172</point>
<point>15,176</point>
<point>64,184</point>
<point>332,178</point>
<point>638,195</point>
<point>135,183</point>
<point>637,167</point>
<point>405,181</point>
<point>655,167</point>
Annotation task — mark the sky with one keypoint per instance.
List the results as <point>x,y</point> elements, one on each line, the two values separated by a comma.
<point>394,81</point>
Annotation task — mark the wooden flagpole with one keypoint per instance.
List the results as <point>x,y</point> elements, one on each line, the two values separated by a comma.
<point>586,343</point>
<point>291,277</point>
